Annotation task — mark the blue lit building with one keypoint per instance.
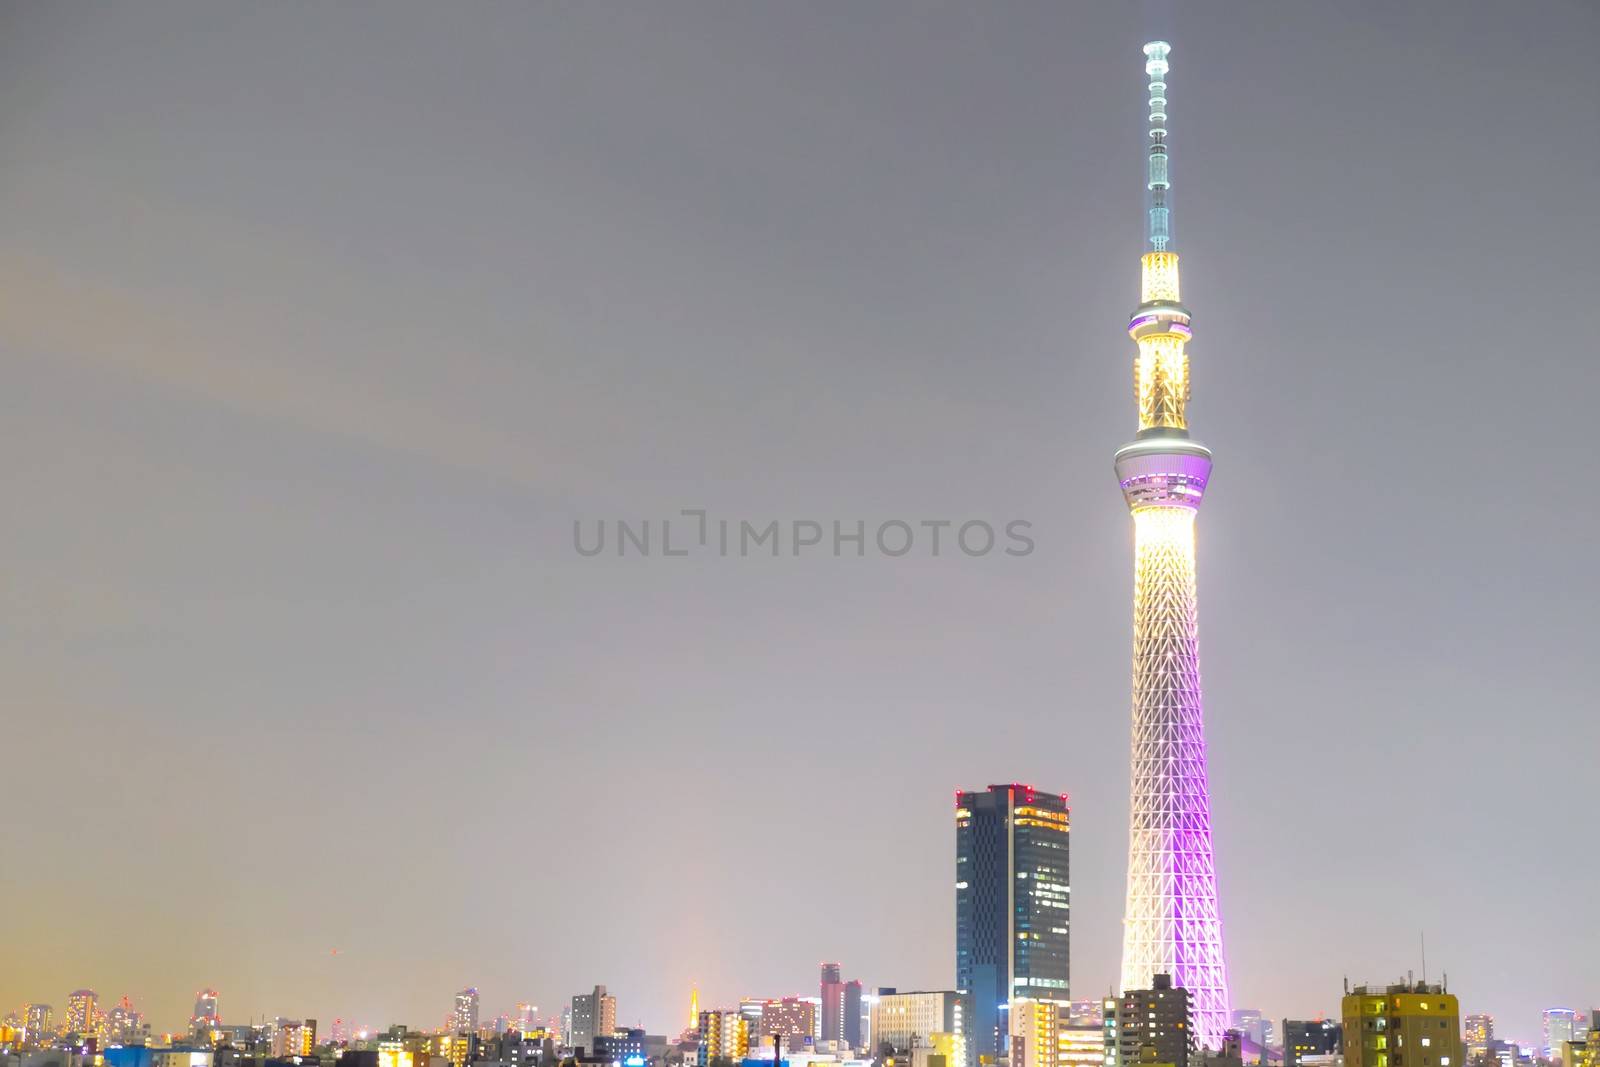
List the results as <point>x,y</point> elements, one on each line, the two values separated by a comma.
<point>1012,906</point>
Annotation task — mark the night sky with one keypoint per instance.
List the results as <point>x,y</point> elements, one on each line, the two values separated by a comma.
<point>322,324</point>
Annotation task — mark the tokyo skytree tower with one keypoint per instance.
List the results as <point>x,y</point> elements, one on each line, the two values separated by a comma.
<point>1170,924</point>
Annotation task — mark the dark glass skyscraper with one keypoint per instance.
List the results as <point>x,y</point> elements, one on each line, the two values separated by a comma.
<point>1012,905</point>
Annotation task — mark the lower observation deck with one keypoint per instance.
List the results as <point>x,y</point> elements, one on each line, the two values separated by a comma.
<point>1163,471</point>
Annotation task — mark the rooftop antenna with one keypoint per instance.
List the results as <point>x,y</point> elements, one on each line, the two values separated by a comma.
<point>1423,936</point>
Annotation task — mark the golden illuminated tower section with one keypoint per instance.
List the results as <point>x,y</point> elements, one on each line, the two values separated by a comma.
<point>1171,924</point>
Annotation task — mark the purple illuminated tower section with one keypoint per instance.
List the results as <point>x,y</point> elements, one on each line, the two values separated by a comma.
<point>1170,925</point>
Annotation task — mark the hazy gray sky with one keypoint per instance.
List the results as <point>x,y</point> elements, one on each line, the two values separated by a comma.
<point>322,323</point>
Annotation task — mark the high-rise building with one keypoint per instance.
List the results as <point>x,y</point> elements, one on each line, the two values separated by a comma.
<point>1583,1051</point>
<point>126,1026</point>
<point>592,1014</point>
<point>464,1013</point>
<point>1170,921</point>
<point>37,1020</point>
<point>1558,1026</point>
<point>1013,906</point>
<point>1303,1038</point>
<point>907,1021</point>
<point>1403,1025</point>
<point>1160,1018</point>
<point>852,1014</point>
<point>206,1017</point>
<point>832,995</point>
<point>1480,1033</point>
<point>82,1015</point>
<point>527,1020</point>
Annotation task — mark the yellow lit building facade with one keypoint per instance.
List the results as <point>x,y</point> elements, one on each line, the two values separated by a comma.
<point>1402,1026</point>
<point>724,1034</point>
<point>395,1054</point>
<point>937,1020</point>
<point>1036,1027</point>
<point>1583,1053</point>
<point>454,1048</point>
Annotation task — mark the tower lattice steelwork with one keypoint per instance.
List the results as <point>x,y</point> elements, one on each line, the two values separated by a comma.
<point>1170,925</point>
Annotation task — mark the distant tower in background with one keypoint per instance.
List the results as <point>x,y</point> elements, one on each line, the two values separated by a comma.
<point>1252,1024</point>
<point>37,1019</point>
<point>125,1025</point>
<point>464,1016</point>
<point>206,1017</point>
<point>82,1014</point>
<point>527,1018</point>
<point>1480,1033</point>
<point>694,1007</point>
<point>832,995</point>
<point>852,1014</point>
<point>1012,906</point>
<point>1558,1028</point>
<point>1170,923</point>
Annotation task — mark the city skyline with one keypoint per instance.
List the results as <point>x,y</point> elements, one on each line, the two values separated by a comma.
<point>323,330</point>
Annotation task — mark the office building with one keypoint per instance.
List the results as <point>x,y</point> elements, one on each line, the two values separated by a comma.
<point>83,1017</point>
<point>1480,1034</point>
<point>1584,1052</point>
<point>1305,1038</point>
<point>831,1025</point>
<point>905,1021</point>
<point>125,1026</point>
<point>793,1017</point>
<point>1558,1026</point>
<point>852,1014</point>
<point>1403,1025</point>
<point>623,1046</point>
<point>464,1012</point>
<point>206,1017</point>
<point>592,1014</point>
<point>1013,906</point>
<point>38,1021</point>
<point>1158,1020</point>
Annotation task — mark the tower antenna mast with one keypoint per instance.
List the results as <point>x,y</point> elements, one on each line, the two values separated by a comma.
<point>1158,227</point>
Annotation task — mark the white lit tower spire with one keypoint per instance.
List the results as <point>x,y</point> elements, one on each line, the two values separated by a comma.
<point>1170,925</point>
